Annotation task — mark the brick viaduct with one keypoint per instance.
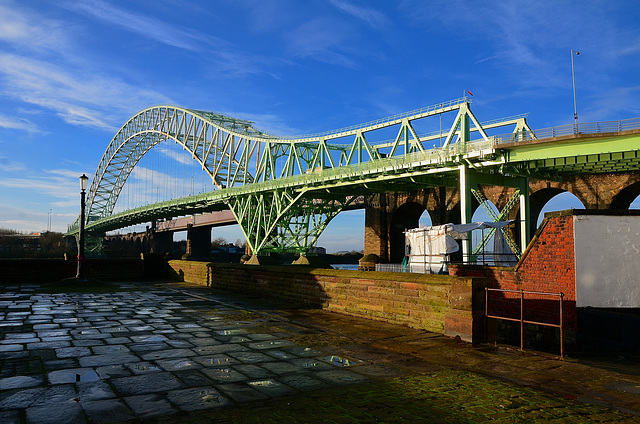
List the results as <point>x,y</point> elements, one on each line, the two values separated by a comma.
<point>387,215</point>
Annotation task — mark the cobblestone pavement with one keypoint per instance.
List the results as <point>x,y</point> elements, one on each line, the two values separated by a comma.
<point>174,353</point>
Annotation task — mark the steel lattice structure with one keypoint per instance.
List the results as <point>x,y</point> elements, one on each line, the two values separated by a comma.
<point>284,191</point>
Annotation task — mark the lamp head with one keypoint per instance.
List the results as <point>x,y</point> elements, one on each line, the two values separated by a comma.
<point>83,182</point>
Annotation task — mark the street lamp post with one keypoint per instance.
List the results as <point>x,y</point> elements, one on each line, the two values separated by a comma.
<point>575,104</point>
<point>83,187</point>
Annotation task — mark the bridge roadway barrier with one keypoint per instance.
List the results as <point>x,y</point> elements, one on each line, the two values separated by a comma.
<point>448,305</point>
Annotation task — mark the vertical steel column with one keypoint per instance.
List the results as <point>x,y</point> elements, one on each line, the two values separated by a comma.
<point>466,213</point>
<point>525,214</point>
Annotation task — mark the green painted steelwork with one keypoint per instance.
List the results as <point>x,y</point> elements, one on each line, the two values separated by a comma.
<point>284,191</point>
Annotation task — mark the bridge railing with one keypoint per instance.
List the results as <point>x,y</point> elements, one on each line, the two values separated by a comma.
<point>396,117</point>
<point>602,127</point>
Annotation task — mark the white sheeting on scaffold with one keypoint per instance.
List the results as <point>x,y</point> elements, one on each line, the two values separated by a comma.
<point>429,246</point>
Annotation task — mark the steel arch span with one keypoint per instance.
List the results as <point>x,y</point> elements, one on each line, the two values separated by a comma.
<point>213,140</point>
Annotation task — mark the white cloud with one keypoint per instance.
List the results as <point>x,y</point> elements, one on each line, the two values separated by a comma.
<point>370,16</point>
<point>8,165</point>
<point>322,40</point>
<point>18,124</point>
<point>29,31</point>
<point>77,96</point>
<point>154,29</point>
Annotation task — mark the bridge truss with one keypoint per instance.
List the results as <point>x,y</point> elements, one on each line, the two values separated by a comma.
<point>284,191</point>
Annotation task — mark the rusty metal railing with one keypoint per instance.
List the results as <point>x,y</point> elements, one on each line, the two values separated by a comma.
<point>523,321</point>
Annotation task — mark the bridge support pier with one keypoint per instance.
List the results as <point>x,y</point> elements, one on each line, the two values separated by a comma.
<point>160,242</point>
<point>198,242</point>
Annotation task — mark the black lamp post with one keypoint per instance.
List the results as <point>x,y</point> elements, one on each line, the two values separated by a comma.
<point>83,187</point>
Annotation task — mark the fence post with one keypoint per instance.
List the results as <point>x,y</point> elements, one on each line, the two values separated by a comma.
<point>561,326</point>
<point>521,320</point>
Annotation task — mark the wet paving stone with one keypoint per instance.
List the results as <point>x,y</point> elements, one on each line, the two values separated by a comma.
<point>253,371</point>
<point>77,375</point>
<point>95,390</point>
<point>242,393</point>
<point>250,356</point>
<point>20,382</point>
<point>72,352</point>
<point>110,359</point>
<point>109,349</point>
<point>107,411</point>
<point>11,348</point>
<point>311,364</point>
<point>178,364</point>
<point>224,374</point>
<point>341,377</point>
<point>143,368</point>
<point>193,378</point>
<point>271,388</point>
<point>151,405</point>
<point>10,417</point>
<point>147,383</point>
<point>113,371</point>
<point>221,348</point>
<point>302,382</point>
<point>69,412</point>
<point>169,353</point>
<point>216,361</point>
<point>200,398</point>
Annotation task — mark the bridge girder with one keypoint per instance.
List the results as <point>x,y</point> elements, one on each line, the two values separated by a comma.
<point>283,191</point>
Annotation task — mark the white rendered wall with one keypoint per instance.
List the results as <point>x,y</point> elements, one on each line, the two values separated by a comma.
<point>607,253</point>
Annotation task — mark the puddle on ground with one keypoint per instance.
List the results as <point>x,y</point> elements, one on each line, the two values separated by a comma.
<point>81,377</point>
<point>153,339</point>
<point>219,361</point>
<point>179,364</point>
<point>339,361</point>
<point>209,396</point>
<point>233,332</point>
<point>139,368</point>
<point>262,383</point>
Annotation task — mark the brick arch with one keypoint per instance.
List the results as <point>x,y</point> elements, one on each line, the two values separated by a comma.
<point>404,217</point>
<point>626,196</point>
<point>537,201</point>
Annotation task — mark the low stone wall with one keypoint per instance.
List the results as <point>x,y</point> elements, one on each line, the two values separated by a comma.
<point>443,304</point>
<point>21,271</point>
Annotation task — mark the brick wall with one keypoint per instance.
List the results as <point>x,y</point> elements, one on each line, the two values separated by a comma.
<point>548,265</point>
<point>442,304</point>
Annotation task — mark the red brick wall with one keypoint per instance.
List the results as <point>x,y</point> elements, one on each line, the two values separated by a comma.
<point>547,266</point>
<point>442,304</point>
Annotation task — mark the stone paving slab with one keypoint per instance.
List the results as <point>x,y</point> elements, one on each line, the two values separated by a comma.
<point>154,352</point>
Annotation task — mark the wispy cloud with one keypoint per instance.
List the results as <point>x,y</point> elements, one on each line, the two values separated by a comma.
<point>8,165</point>
<point>321,40</point>
<point>370,16</point>
<point>18,27</point>
<point>145,26</point>
<point>77,97</point>
<point>611,103</point>
<point>18,124</point>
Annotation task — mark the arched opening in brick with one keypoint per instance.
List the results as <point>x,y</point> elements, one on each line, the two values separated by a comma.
<point>628,198</point>
<point>425,219</point>
<point>549,200</point>
<point>481,215</point>
<point>405,217</point>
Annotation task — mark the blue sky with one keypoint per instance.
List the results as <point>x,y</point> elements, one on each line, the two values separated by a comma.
<point>72,72</point>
